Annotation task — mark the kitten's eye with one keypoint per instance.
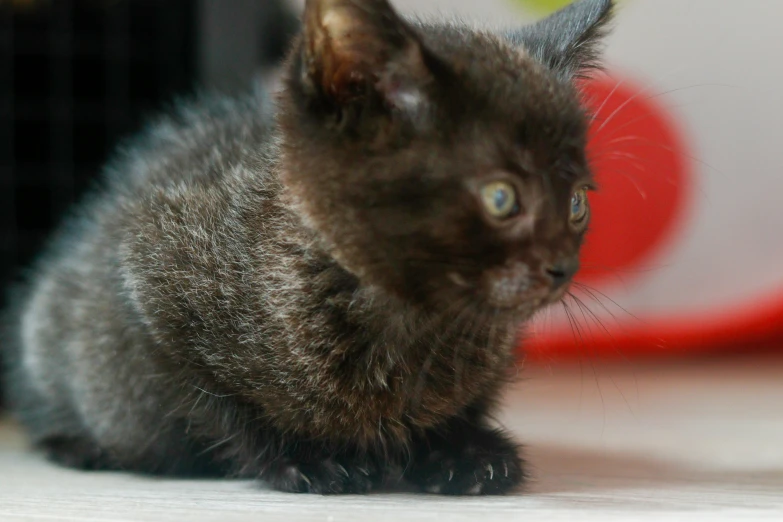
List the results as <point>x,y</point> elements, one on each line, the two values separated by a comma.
<point>579,207</point>
<point>500,199</point>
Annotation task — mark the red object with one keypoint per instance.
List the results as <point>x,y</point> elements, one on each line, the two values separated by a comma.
<point>641,161</point>
<point>642,167</point>
<point>642,164</point>
<point>758,325</point>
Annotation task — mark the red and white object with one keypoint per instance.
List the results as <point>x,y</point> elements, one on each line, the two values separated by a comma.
<point>686,251</point>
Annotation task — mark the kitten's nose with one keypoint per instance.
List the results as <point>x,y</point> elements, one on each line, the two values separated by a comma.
<point>562,272</point>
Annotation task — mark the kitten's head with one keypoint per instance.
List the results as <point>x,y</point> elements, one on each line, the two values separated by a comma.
<point>443,164</point>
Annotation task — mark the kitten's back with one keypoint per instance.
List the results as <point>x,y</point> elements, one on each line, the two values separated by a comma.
<point>74,283</point>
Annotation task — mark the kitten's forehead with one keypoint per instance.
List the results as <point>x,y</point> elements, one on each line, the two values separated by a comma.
<point>505,106</point>
<point>451,40</point>
<point>502,77</point>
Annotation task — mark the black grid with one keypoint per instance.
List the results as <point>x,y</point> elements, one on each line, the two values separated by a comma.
<point>75,76</point>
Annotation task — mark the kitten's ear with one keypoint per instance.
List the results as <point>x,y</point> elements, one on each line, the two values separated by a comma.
<point>351,46</point>
<point>569,41</point>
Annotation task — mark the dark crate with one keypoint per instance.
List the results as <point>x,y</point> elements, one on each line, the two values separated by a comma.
<point>75,76</point>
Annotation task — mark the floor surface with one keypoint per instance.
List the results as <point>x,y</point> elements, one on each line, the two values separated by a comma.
<point>692,441</point>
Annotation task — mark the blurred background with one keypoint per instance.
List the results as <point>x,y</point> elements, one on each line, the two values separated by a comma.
<point>76,76</point>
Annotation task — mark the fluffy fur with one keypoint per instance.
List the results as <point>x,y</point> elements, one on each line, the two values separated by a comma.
<point>314,296</point>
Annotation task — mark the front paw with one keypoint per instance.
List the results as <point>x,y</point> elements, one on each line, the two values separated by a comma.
<point>324,477</point>
<point>473,462</point>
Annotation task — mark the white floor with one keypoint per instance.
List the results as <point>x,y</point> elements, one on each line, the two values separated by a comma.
<point>695,441</point>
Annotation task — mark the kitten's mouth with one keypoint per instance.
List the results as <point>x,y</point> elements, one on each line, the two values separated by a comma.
<point>525,303</point>
<point>515,295</point>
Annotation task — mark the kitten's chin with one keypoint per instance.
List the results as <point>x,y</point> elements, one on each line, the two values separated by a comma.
<point>525,305</point>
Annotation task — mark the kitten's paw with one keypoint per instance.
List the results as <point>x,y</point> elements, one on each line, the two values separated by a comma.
<point>483,463</point>
<point>323,477</point>
<point>76,452</point>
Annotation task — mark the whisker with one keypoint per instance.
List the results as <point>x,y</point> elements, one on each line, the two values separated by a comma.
<point>582,306</point>
<point>616,349</point>
<point>658,95</point>
<point>634,182</point>
<point>606,100</point>
<point>592,291</point>
<point>621,270</point>
<point>569,312</point>
<point>651,143</point>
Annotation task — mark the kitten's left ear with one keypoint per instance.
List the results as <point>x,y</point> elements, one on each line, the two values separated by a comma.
<point>569,41</point>
<point>352,46</point>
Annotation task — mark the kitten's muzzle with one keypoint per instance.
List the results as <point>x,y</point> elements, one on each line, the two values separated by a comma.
<point>519,286</point>
<point>561,273</point>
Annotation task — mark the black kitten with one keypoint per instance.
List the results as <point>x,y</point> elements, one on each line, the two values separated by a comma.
<point>320,298</point>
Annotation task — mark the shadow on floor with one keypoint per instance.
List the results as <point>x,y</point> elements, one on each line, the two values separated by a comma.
<point>559,469</point>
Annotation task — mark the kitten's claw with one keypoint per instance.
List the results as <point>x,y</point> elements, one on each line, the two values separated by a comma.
<point>304,478</point>
<point>468,466</point>
<point>324,477</point>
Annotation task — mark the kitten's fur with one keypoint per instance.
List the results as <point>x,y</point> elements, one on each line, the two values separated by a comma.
<point>318,300</point>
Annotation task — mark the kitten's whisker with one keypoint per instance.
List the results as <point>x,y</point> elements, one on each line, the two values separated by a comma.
<point>574,324</point>
<point>213,394</point>
<point>616,130</point>
<point>606,100</point>
<point>643,91</point>
<point>634,182</point>
<point>595,298</point>
<point>651,143</point>
<point>627,124</point>
<point>587,311</point>
<point>620,270</point>
<point>616,320</point>
<point>614,345</point>
<point>654,96</point>
<point>592,290</point>
<point>618,273</point>
<point>633,159</point>
<point>619,109</point>
<point>574,331</point>
<point>584,316</point>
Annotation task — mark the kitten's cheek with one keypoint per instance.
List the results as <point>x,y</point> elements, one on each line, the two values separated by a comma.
<point>514,288</point>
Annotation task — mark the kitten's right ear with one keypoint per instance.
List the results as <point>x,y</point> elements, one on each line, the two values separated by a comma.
<point>350,46</point>
<point>568,41</point>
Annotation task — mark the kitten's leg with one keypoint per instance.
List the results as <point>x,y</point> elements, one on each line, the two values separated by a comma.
<point>307,468</point>
<point>465,458</point>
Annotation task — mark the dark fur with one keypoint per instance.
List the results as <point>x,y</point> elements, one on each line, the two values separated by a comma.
<point>319,300</point>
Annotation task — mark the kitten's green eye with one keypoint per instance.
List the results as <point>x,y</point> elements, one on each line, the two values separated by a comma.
<point>579,207</point>
<point>500,199</point>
